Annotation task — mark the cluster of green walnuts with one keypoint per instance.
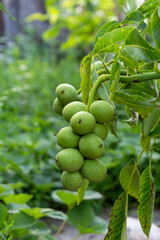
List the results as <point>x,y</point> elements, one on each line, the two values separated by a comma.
<point>82,140</point>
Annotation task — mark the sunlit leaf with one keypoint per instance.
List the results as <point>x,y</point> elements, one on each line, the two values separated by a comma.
<point>140,49</point>
<point>107,27</point>
<point>109,41</point>
<point>115,76</point>
<point>18,198</point>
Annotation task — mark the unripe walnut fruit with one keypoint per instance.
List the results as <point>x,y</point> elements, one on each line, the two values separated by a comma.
<point>69,160</point>
<point>71,181</point>
<point>91,146</point>
<point>66,93</point>
<point>66,138</point>
<point>94,170</point>
<point>72,108</point>
<point>101,131</point>
<point>102,111</point>
<point>57,106</point>
<point>83,122</point>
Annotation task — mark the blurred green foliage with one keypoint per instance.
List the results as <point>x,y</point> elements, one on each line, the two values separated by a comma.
<point>74,22</point>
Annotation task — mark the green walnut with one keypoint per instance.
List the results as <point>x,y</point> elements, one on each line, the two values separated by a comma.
<point>71,181</point>
<point>102,111</point>
<point>91,146</point>
<point>66,138</point>
<point>96,66</point>
<point>69,160</point>
<point>83,122</point>
<point>72,108</point>
<point>80,97</point>
<point>94,170</point>
<point>57,106</point>
<point>66,93</point>
<point>101,131</point>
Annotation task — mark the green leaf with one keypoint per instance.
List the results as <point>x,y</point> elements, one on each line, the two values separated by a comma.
<point>91,195</point>
<point>142,107</point>
<point>81,191</point>
<point>115,76</point>
<point>81,215</point>
<point>146,200</point>
<point>21,220</point>
<point>156,147</point>
<point>97,226</point>
<point>3,214</point>
<point>156,28</point>
<point>107,27</point>
<point>145,142</point>
<point>151,122</point>
<point>148,6</point>
<point>34,212</point>
<point>64,196</point>
<point>112,127</point>
<point>141,26</point>
<point>158,11</point>
<point>54,214</point>
<point>118,221</point>
<point>128,60</point>
<point>134,17</point>
<point>109,41</point>
<point>2,7</point>
<point>156,132</point>
<point>85,72</point>
<point>140,49</point>
<point>130,180</point>
<point>18,198</point>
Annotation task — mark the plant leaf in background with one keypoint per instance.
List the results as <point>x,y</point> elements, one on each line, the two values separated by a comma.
<point>118,220</point>
<point>2,7</point>
<point>85,71</point>
<point>21,220</point>
<point>146,200</point>
<point>3,214</point>
<point>18,198</point>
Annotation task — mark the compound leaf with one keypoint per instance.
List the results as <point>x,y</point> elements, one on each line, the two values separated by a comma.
<point>146,200</point>
<point>118,221</point>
